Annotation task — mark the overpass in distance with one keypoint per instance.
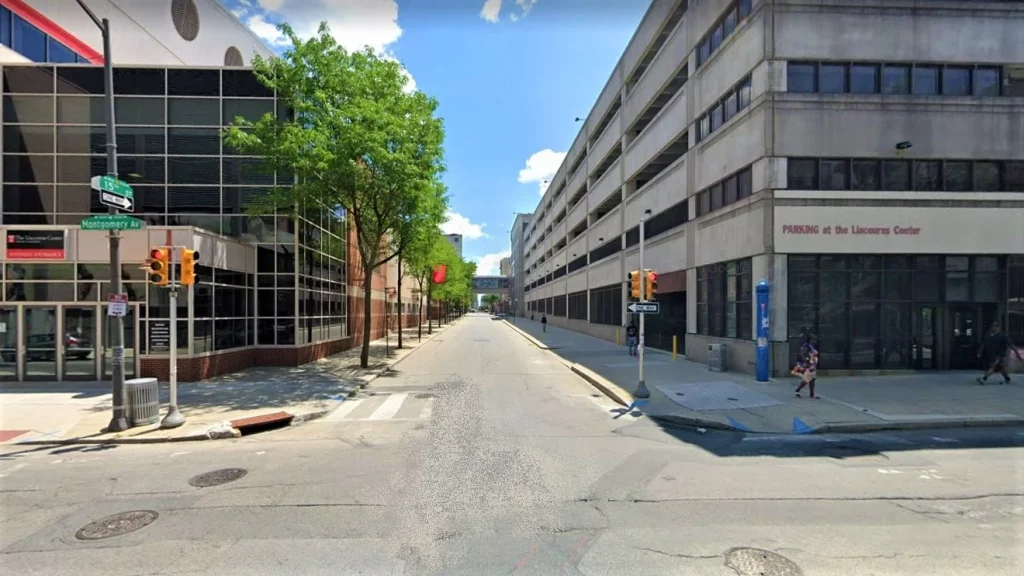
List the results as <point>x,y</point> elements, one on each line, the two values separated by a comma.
<point>490,285</point>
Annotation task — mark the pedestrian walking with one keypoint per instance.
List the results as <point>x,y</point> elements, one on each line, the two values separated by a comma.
<point>995,351</point>
<point>807,367</point>
<point>632,338</point>
<point>544,322</point>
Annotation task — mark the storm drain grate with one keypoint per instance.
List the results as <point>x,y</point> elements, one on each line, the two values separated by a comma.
<point>757,562</point>
<point>425,396</point>
<point>217,477</point>
<point>117,525</point>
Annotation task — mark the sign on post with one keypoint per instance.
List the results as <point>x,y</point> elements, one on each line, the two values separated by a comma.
<point>117,305</point>
<point>645,307</point>
<point>112,222</point>
<point>114,192</point>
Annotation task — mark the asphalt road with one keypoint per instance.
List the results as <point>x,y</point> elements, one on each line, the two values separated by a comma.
<point>482,454</point>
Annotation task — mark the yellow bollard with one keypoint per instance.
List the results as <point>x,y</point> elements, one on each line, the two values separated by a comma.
<point>616,336</point>
<point>675,340</point>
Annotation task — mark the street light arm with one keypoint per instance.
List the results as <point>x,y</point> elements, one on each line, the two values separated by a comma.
<point>96,20</point>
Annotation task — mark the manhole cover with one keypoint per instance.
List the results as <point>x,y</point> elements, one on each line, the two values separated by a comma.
<point>217,477</point>
<point>757,562</point>
<point>425,396</point>
<point>117,525</point>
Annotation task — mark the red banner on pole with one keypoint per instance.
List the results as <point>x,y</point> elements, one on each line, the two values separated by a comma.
<point>440,273</point>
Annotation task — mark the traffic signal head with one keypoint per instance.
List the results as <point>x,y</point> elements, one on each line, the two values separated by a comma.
<point>159,266</point>
<point>188,266</point>
<point>634,284</point>
<point>652,284</point>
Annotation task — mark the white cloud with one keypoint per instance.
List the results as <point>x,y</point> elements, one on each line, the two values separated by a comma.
<point>458,224</point>
<point>526,6</point>
<point>490,10</point>
<point>490,264</point>
<point>541,166</point>
<point>355,24</point>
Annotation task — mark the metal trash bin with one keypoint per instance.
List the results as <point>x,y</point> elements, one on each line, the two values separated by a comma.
<point>143,401</point>
<point>716,357</point>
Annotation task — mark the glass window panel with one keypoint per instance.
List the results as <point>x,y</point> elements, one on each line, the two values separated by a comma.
<point>27,109</point>
<point>716,38</point>
<point>987,287</point>
<point>193,199</point>
<point>59,53</point>
<point>81,110</point>
<point>832,78</point>
<point>896,333</point>
<point>140,81</point>
<point>141,169</point>
<point>193,112</point>
<point>803,287</point>
<point>865,285</point>
<point>956,81</point>
<point>957,287</point>
<point>926,80</point>
<point>246,171</point>
<point>986,82</point>
<point>28,80</point>
<point>864,79</point>
<point>716,117</point>
<point>730,106</point>
<point>897,263</point>
<point>244,83</point>
<point>745,184</point>
<point>803,173</point>
<point>193,170</point>
<point>80,80</point>
<point>987,177</point>
<point>1014,176</point>
<point>37,168</point>
<point>729,23</point>
<point>45,291</point>
<point>731,194</point>
<point>896,175</point>
<point>865,175</point>
<point>832,286</point>
<point>745,8</point>
<point>895,79</point>
<point>251,110</point>
<point>800,77</point>
<point>193,141</point>
<point>704,52</point>
<point>805,263</point>
<point>835,175</point>
<point>864,331</point>
<point>896,285</point>
<point>927,175</point>
<point>80,169</point>
<point>833,333</point>
<point>744,94</point>
<point>31,198</point>
<point>77,200</point>
<point>144,111</point>
<point>28,40</point>
<point>957,176</point>
<point>28,139</point>
<point>285,303</point>
<point>5,26</point>
<point>193,82</point>
<point>140,140</point>
<point>927,286</point>
<point>832,263</point>
<point>716,197</point>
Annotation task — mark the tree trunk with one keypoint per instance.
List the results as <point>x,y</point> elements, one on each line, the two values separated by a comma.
<point>401,316</point>
<point>430,292</point>
<point>364,355</point>
<point>419,314</point>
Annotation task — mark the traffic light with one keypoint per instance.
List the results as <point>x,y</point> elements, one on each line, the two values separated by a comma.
<point>159,266</point>
<point>188,266</point>
<point>652,284</point>
<point>634,284</point>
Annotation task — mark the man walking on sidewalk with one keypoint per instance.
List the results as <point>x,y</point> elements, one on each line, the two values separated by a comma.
<point>544,322</point>
<point>632,338</point>
<point>995,350</point>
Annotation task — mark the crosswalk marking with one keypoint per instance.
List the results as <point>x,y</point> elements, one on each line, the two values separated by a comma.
<point>389,408</point>
<point>345,409</point>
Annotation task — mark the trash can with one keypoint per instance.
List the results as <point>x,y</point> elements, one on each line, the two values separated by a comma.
<point>716,357</point>
<point>143,401</point>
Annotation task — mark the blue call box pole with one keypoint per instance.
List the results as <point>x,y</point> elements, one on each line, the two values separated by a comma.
<point>763,291</point>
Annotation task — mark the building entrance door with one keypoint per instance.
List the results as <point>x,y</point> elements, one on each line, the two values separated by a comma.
<point>80,337</point>
<point>925,321</point>
<point>40,336</point>
<point>8,344</point>
<point>964,336</point>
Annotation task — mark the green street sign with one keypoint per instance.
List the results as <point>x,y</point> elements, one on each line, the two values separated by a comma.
<point>112,185</point>
<point>112,222</point>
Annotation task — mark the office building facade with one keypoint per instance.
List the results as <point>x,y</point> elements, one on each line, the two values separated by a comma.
<point>864,158</point>
<point>456,241</point>
<point>517,264</point>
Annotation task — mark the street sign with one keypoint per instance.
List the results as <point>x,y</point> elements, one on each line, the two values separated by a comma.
<point>645,307</point>
<point>114,192</point>
<point>112,222</point>
<point>117,305</point>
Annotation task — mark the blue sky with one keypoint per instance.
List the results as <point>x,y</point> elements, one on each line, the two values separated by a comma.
<point>510,76</point>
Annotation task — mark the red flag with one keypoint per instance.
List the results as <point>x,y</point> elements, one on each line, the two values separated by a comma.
<point>440,272</point>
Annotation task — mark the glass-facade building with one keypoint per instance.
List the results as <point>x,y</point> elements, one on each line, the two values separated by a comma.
<point>267,281</point>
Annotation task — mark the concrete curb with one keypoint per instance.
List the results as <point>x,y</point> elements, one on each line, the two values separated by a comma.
<point>699,423</point>
<point>953,422</point>
<point>610,389</point>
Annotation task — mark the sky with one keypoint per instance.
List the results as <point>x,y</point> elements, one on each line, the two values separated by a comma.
<point>511,76</point>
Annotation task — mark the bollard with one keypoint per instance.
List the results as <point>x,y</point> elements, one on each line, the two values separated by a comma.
<point>675,340</point>
<point>616,336</point>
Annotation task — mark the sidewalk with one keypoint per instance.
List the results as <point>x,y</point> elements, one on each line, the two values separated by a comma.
<point>687,393</point>
<point>77,412</point>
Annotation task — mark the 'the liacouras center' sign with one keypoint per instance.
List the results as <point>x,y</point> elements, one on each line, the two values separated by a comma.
<point>852,230</point>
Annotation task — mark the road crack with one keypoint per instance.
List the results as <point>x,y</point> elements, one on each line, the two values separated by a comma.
<point>673,555</point>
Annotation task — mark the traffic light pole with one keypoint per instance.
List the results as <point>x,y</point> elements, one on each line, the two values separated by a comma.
<point>641,388</point>
<point>174,417</point>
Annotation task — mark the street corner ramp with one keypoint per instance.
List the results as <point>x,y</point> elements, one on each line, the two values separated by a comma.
<point>718,395</point>
<point>262,423</point>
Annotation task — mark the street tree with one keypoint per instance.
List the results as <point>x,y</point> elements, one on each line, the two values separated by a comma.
<point>356,140</point>
<point>414,236</point>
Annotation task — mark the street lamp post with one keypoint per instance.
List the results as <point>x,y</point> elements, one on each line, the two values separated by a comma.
<point>641,387</point>
<point>118,421</point>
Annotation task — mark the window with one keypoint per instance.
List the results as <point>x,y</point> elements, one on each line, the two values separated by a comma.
<point>986,82</point>
<point>730,192</point>
<point>832,78</point>
<point>716,38</point>
<point>835,174</point>
<point>896,175</point>
<point>1014,176</point>
<point>704,128</point>
<point>716,117</point>
<point>730,21</point>
<point>800,77</point>
<point>606,305</point>
<point>675,216</point>
<point>803,174</point>
<point>730,107</point>
<point>724,299</point>
<point>744,8</point>
<point>29,41</point>
<point>722,29</point>
<point>744,94</point>
<point>926,80</point>
<point>716,197</point>
<point>895,79</point>
<point>956,81</point>
<point>704,52</point>
<point>59,53</point>
<point>193,112</point>
<point>957,176</point>
<point>987,177</point>
<point>744,184</point>
<point>865,175</point>
<point>577,304</point>
<point>864,79</point>
<point>927,175</point>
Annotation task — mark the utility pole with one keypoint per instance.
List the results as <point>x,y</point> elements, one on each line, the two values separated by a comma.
<point>173,419</point>
<point>118,421</point>
<point>641,388</point>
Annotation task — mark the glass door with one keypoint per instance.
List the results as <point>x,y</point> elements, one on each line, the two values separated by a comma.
<point>924,339</point>
<point>39,342</point>
<point>80,331</point>
<point>8,344</point>
<point>130,342</point>
<point>963,337</point>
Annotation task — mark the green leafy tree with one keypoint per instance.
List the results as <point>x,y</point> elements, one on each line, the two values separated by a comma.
<point>415,235</point>
<point>357,140</point>
<point>490,300</point>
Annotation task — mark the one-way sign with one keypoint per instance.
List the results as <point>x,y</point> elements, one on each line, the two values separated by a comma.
<point>119,202</point>
<point>645,307</point>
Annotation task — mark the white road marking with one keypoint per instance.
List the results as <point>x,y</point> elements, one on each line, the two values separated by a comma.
<point>428,409</point>
<point>945,440</point>
<point>14,468</point>
<point>261,452</point>
<point>345,409</point>
<point>176,454</point>
<point>58,461</point>
<point>389,408</point>
<point>884,471</point>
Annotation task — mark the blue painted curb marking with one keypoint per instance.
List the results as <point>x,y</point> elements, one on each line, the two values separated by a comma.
<point>735,424</point>
<point>637,404</point>
<point>799,427</point>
